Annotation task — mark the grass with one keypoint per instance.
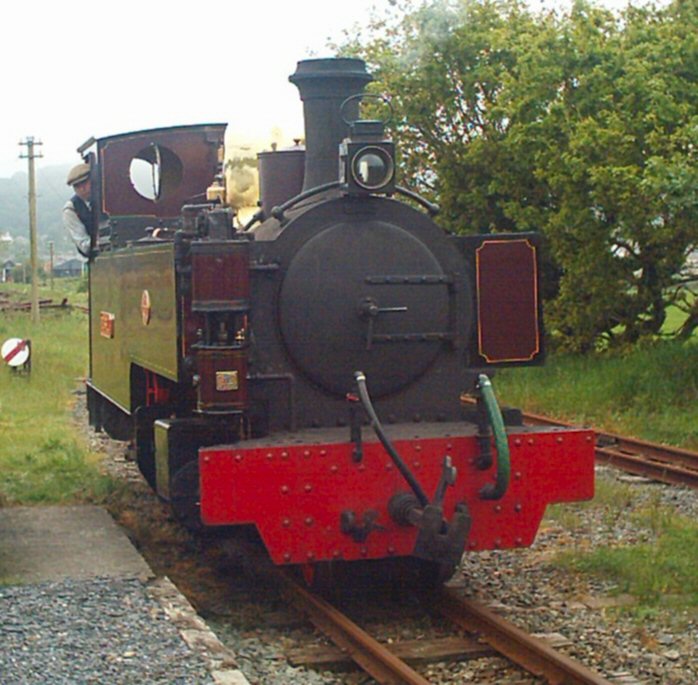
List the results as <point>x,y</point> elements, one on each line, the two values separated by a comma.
<point>659,572</point>
<point>675,317</point>
<point>75,289</point>
<point>650,392</point>
<point>658,568</point>
<point>43,458</point>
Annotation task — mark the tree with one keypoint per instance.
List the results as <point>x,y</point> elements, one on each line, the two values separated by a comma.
<point>626,176</point>
<point>580,125</point>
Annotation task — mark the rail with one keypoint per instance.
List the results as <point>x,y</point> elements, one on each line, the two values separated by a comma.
<point>525,650</point>
<point>7,304</point>
<point>382,663</point>
<point>373,657</point>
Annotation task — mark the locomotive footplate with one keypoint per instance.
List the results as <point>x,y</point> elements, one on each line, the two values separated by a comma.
<point>313,501</point>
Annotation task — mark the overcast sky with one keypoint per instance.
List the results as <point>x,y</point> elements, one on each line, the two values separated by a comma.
<point>79,69</point>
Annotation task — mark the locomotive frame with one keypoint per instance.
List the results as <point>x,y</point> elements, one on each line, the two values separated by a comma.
<point>246,363</point>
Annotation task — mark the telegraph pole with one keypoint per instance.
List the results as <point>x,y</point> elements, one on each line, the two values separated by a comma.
<point>31,155</point>
<point>50,247</point>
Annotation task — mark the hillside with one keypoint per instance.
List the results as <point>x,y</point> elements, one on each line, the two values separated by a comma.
<point>52,193</point>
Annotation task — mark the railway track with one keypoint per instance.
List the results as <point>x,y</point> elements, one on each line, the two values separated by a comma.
<point>8,305</point>
<point>489,634</point>
<point>667,464</point>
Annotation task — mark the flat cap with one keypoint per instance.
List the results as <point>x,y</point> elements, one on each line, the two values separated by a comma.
<point>80,172</point>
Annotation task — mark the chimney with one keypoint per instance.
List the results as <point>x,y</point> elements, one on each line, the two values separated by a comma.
<point>324,84</point>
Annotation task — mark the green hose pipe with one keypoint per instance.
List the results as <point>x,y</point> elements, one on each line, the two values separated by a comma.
<point>496,490</point>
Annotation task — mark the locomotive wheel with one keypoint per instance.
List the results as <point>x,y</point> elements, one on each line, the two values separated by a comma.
<point>185,496</point>
<point>331,577</point>
<point>145,458</point>
<point>432,574</point>
<point>325,577</point>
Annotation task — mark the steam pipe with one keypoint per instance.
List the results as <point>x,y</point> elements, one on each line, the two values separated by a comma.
<point>257,216</point>
<point>429,206</point>
<point>497,490</point>
<point>385,441</point>
<point>278,212</point>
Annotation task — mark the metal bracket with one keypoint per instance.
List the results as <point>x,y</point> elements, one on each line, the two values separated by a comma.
<point>359,532</point>
<point>440,541</point>
<point>368,309</point>
<point>355,428</point>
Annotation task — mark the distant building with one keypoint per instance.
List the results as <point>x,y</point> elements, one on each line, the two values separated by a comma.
<point>71,267</point>
<point>6,271</point>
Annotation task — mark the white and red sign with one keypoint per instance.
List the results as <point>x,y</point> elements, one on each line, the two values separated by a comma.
<point>15,351</point>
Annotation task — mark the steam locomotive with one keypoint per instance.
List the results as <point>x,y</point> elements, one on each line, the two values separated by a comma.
<point>305,373</point>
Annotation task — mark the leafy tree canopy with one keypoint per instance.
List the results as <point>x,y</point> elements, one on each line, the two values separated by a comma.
<point>582,125</point>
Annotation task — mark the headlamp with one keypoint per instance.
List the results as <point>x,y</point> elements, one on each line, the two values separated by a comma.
<point>372,168</point>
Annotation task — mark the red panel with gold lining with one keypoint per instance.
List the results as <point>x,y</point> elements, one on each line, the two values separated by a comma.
<point>296,491</point>
<point>509,322</point>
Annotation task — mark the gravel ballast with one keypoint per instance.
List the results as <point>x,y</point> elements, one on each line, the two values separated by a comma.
<point>528,586</point>
<point>92,631</point>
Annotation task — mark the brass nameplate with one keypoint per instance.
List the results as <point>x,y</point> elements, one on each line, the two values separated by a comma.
<point>226,381</point>
<point>106,324</point>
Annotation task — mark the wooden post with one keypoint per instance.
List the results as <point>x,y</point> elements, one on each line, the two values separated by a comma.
<point>33,240</point>
<point>50,247</point>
